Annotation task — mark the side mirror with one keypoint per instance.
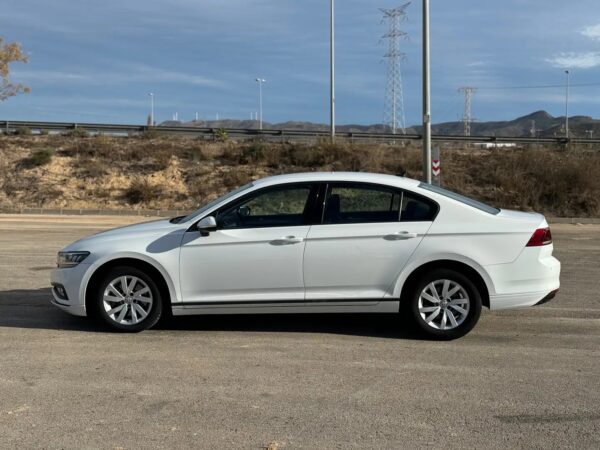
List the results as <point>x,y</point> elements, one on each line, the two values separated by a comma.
<point>244,211</point>
<point>207,225</point>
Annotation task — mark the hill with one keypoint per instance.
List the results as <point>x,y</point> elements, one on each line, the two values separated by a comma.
<point>545,125</point>
<point>178,173</point>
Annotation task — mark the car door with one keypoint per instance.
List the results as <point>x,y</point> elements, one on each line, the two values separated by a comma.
<point>367,235</point>
<point>255,255</point>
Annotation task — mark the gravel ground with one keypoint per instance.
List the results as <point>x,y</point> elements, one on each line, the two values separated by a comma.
<point>522,379</point>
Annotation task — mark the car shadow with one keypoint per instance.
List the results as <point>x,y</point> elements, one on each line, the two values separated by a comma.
<point>31,308</point>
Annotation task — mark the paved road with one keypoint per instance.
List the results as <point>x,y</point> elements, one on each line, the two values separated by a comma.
<point>527,378</point>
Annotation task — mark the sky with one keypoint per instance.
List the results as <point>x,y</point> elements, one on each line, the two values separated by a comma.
<point>96,61</point>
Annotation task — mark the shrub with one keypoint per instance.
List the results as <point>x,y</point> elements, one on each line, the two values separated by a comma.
<point>141,190</point>
<point>40,158</point>
<point>197,154</point>
<point>235,178</point>
<point>90,167</point>
<point>76,133</point>
<point>149,134</point>
<point>253,153</point>
<point>23,131</point>
<point>221,135</point>
<point>98,147</point>
<point>162,158</point>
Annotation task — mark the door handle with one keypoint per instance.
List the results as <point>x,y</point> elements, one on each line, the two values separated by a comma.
<point>287,240</point>
<point>400,236</point>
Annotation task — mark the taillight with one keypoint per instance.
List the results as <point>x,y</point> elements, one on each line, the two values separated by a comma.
<point>541,236</point>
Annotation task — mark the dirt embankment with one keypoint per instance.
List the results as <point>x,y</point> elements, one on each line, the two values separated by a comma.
<point>179,173</point>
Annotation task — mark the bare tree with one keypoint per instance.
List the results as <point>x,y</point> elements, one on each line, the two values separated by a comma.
<point>10,53</point>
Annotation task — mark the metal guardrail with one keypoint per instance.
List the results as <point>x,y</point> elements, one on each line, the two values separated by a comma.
<point>178,212</point>
<point>119,129</point>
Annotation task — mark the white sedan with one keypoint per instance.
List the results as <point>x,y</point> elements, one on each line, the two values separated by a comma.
<point>316,243</point>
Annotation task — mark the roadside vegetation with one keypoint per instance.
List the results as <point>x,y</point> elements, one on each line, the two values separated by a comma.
<point>167,172</point>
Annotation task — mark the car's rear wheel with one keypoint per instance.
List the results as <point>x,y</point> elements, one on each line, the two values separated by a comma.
<point>445,304</point>
<point>128,299</point>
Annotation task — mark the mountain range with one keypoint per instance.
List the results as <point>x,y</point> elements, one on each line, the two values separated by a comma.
<point>540,123</point>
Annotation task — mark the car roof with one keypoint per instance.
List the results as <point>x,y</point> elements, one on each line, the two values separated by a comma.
<point>363,177</point>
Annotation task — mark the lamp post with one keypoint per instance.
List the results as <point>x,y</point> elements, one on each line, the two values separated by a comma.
<point>260,81</point>
<point>151,94</point>
<point>426,100</point>
<point>568,73</point>
<point>332,68</point>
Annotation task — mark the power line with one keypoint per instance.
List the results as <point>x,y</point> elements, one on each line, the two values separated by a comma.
<point>394,98</point>
<point>546,86</point>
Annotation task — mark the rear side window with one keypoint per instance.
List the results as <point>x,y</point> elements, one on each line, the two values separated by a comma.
<point>417,209</point>
<point>361,204</point>
<point>460,198</point>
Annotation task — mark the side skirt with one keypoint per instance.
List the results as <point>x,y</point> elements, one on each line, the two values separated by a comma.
<point>287,307</point>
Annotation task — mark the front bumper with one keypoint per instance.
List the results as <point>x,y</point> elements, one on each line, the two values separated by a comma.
<point>72,299</point>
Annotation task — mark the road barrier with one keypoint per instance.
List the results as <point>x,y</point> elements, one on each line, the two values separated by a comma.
<point>267,134</point>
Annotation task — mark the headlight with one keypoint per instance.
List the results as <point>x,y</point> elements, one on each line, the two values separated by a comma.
<point>70,259</point>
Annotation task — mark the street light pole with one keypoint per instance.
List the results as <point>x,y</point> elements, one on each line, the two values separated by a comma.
<point>332,68</point>
<point>426,100</point>
<point>260,81</point>
<point>151,94</point>
<point>568,73</point>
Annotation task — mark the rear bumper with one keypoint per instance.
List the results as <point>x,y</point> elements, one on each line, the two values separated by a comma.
<point>534,278</point>
<point>508,301</point>
<point>547,298</point>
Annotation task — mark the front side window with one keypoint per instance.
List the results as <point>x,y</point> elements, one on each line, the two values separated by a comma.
<point>362,204</point>
<point>278,207</point>
<point>214,203</point>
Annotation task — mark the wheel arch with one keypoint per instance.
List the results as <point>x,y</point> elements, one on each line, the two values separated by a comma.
<point>480,279</point>
<point>158,274</point>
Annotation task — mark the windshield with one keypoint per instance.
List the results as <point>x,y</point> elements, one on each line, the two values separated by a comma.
<point>461,198</point>
<point>215,202</point>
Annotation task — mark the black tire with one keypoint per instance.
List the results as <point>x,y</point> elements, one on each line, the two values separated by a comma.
<point>154,311</point>
<point>465,321</point>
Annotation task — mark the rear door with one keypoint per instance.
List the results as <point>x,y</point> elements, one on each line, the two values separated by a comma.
<point>367,235</point>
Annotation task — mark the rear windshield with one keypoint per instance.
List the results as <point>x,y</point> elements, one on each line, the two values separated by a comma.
<point>460,198</point>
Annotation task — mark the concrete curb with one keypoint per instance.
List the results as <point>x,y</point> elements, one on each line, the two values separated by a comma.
<point>574,220</point>
<point>97,212</point>
<point>178,212</point>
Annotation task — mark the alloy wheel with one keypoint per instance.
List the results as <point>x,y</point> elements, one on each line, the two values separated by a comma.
<point>127,300</point>
<point>444,304</point>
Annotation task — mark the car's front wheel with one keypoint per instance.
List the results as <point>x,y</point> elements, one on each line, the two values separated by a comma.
<point>128,299</point>
<point>445,304</point>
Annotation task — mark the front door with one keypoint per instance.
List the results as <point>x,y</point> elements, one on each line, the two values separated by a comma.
<point>256,253</point>
<point>368,234</point>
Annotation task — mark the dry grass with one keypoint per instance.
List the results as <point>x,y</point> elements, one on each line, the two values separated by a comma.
<point>166,172</point>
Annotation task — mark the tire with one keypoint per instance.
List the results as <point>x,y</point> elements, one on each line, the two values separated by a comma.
<point>128,300</point>
<point>444,317</point>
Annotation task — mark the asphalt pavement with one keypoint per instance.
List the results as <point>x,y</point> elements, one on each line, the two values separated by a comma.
<point>521,379</point>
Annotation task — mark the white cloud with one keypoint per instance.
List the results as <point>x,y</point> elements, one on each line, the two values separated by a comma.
<point>573,60</point>
<point>592,32</point>
<point>49,76</point>
<point>124,75</point>
<point>147,73</point>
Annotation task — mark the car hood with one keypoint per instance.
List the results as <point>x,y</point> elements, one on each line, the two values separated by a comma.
<point>143,230</point>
